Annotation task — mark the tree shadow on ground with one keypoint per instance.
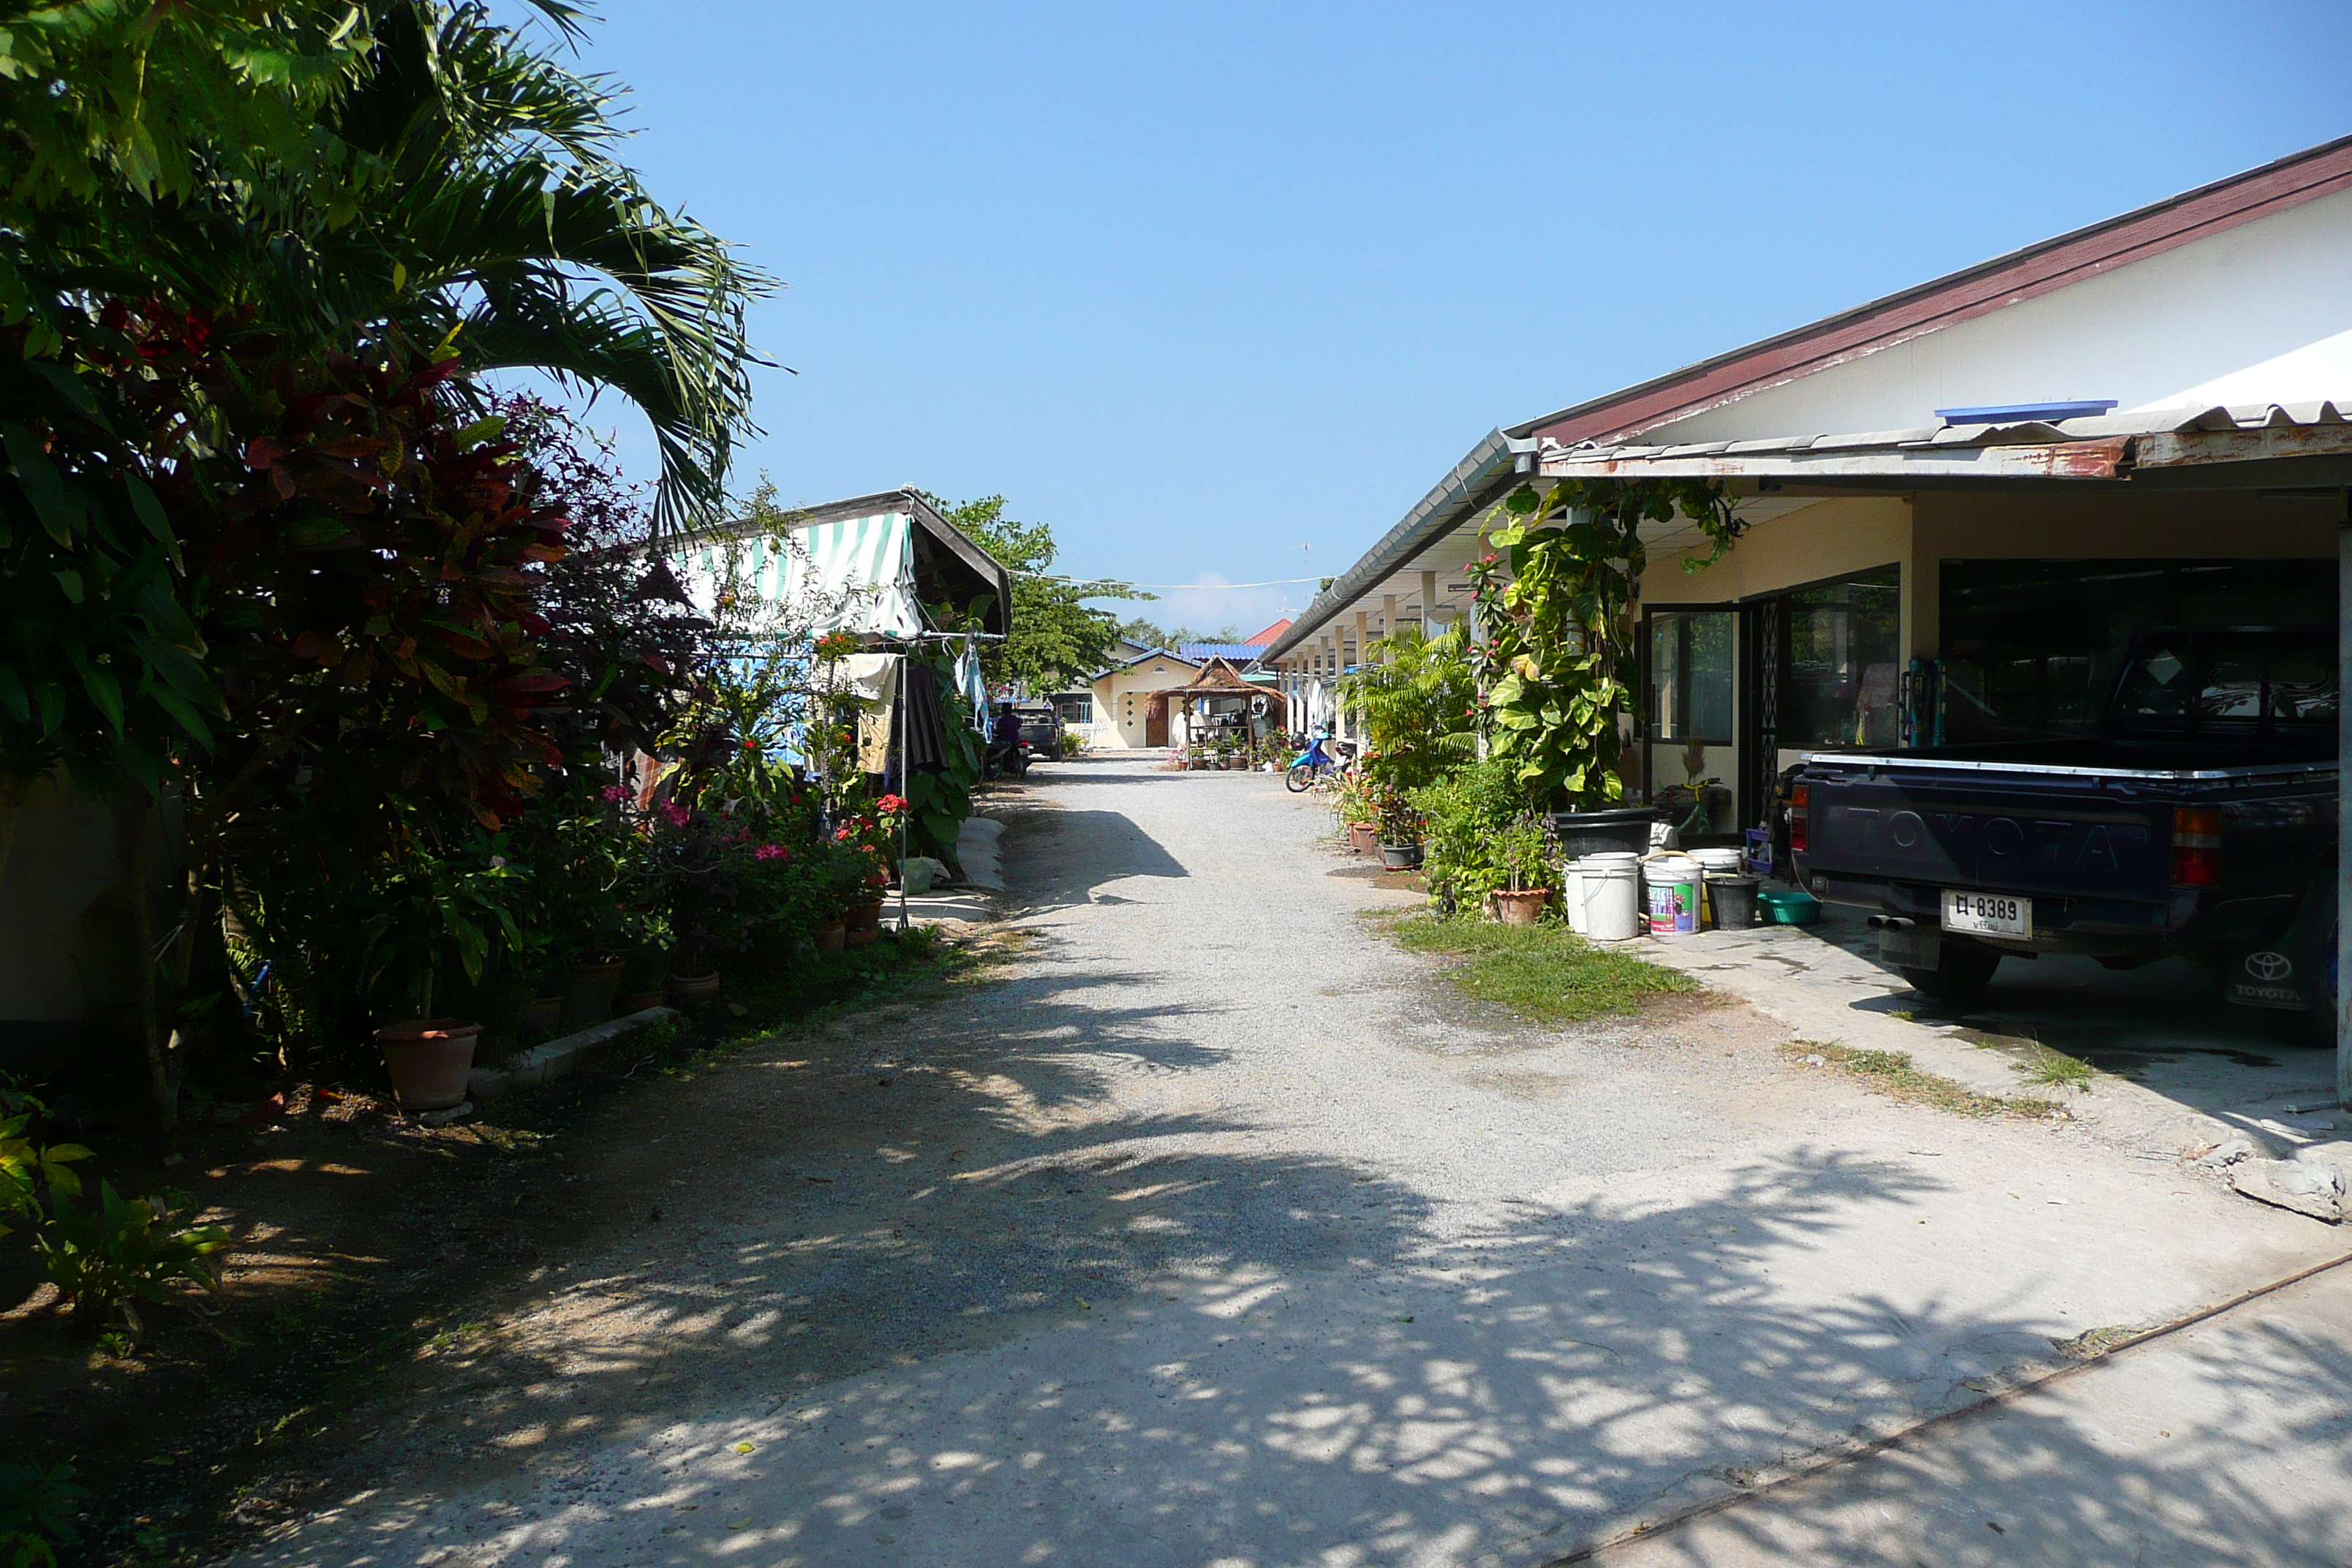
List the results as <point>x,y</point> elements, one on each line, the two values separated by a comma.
<point>1195,1350</point>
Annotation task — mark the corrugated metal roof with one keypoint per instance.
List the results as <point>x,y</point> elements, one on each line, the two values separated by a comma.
<point>1244,651</point>
<point>2108,446</point>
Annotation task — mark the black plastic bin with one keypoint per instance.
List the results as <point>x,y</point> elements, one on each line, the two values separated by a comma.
<point>1625,831</point>
<point>1734,898</point>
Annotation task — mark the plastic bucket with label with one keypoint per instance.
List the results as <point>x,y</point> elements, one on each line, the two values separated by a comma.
<point>1670,888</point>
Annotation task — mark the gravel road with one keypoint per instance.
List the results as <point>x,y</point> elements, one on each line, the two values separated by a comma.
<point>1219,1231</point>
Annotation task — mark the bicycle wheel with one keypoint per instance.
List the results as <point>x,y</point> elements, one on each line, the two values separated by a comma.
<point>1300,775</point>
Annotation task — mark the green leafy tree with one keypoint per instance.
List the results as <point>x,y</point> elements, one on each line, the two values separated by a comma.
<point>254,542</point>
<point>1557,664</point>
<point>1420,704</point>
<point>1056,637</point>
<point>1151,633</point>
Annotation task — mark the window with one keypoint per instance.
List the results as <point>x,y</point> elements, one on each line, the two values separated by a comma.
<point>2033,649</point>
<point>1690,675</point>
<point>1842,662</point>
<point>1075,709</point>
<point>2225,682</point>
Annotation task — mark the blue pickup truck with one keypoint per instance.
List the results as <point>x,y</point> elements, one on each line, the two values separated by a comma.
<point>2200,822</point>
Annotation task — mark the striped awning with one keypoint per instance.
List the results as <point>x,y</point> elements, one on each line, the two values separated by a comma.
<point>852,573</point>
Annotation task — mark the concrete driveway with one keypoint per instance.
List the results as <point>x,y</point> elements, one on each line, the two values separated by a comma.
<point>1220,1232</point>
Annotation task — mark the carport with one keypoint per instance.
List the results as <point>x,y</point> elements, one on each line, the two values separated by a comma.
<point>2103,482</point>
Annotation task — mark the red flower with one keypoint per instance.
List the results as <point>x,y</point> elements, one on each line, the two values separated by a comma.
<point>891,803</point>
<point>772,852</point>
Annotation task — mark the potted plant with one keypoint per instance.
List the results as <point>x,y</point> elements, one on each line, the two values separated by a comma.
<point>1400,831</point>
<point>1523,854</point>
<point>428,904</point>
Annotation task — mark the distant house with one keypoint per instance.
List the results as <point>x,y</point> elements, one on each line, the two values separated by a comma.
<point>1240,655</point>
<point>1115,715</point>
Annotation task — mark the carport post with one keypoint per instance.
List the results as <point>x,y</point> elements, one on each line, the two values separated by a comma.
<point>2343,804</point>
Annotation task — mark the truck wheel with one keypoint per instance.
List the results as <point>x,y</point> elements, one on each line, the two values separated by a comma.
<point>1961,972</point>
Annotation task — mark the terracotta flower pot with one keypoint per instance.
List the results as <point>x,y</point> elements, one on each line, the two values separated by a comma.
<point>428,1059</point>
<point>694,991</point>
<point>1520,907</point>
<point>630,1002</point>
<point>588,993</point>
<point>1364,838</point>
<point>864,916</point>
<point>833,938</point>
<point>543,1017</point>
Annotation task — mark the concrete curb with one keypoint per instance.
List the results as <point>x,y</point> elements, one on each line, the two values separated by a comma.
<point>558,1058</point>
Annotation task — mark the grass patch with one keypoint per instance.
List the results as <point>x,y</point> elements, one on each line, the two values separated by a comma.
<point>1546,971</point>
<point>1893,1073</point>
<point>2058,1067</point>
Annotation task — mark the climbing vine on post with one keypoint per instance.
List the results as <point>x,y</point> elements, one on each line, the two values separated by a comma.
<point>1555,655</point>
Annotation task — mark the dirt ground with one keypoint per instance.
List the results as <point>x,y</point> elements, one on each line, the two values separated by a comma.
<point>364,1244</point>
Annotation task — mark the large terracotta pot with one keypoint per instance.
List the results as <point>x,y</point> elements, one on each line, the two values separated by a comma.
<point>865,915</point>
<point>1521,907</point>
<point>428,1059</point>
<point>543,1017</point>
<point>588,993</point>
<point>630,1002</point>
<point>833,938</point>
<point>695,990</point>
<point>1364,838</point>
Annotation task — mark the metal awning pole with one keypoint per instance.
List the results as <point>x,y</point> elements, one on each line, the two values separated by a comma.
<point>906,782</point>
<point>2344,804</point>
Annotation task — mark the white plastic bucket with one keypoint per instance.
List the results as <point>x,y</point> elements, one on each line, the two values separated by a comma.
<point>1612,899</point>
<point>1669,884</point>
<point>1572,897</point>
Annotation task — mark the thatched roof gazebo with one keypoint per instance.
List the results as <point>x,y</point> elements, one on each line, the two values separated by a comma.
<point>1219,679</point>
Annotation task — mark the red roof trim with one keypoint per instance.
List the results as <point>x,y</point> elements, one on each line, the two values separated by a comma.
<point>2006,280</point>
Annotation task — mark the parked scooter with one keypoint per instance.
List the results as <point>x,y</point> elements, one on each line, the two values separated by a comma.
<point>1324,758</point>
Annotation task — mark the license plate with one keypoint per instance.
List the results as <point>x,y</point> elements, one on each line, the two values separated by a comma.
<point>1988,914</point>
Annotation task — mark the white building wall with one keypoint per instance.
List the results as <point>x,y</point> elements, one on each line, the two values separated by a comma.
<point>2141,334</point>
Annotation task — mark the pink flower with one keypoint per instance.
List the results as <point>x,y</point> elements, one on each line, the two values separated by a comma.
<point>772,852</point>
<point>675,815</point>
<point>615,793</point>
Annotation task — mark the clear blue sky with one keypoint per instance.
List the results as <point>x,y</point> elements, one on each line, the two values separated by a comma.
<point>1200,284</point>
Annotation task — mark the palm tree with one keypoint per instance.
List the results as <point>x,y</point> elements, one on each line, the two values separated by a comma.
<point>325,168</point>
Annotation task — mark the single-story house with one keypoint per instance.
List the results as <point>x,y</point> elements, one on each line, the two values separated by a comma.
<point>1118,715</point>
<point>1962,499</point>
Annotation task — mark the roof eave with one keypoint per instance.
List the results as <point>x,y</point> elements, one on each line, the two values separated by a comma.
<point>1489,468</point>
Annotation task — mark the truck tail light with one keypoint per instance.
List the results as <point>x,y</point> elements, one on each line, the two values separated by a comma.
<point>1798,823</point>
<point>2196,848</point>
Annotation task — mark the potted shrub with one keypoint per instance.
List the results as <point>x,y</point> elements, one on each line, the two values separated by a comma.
<point>1523,854</point>
<point>428,904</point>
<point>1400,831</point>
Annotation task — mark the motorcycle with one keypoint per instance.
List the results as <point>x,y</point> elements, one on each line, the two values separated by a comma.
<point>1318,763</point>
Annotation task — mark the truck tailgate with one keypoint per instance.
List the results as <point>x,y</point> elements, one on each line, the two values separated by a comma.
<point>2026,834</point>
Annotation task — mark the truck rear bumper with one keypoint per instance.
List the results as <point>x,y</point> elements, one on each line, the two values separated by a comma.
<point>2097,928</point>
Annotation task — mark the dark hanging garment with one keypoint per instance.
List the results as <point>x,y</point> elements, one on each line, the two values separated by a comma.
<point>926,739</point>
